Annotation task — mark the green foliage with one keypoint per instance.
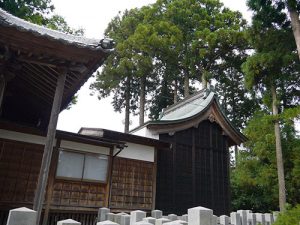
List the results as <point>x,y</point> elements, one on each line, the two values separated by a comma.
<point>254,182</point>
<point>290,217</point>
<point>170,42</point>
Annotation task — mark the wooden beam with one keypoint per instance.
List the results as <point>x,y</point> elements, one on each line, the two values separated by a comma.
<point>154,181</point>
<point>48,149</point>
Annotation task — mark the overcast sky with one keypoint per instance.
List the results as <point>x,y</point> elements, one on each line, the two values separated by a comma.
<point>93,16</point>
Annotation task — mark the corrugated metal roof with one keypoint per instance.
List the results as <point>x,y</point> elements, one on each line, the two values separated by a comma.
<point>9,20</point>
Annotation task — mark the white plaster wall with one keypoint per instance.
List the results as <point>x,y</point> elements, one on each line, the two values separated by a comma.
<point>145,132</point>
<point>84,147</point>
<point>138,152</point>
<point>18,136</point>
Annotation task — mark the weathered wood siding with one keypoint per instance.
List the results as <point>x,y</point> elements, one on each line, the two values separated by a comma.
<point>19,169</point>
<point>78,194</point>
<point>132,184</point>
<point>196,172</point>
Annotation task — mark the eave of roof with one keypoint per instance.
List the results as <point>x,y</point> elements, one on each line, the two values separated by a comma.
<point>181,113</point>
<point>115,135</point>
<point>8,20</point>
<point>64,135</point>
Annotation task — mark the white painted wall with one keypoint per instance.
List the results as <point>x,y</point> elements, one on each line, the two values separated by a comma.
<point>145,132</point>
<point>18,136</point>
<point>138,152</point>
<point>133,151</point>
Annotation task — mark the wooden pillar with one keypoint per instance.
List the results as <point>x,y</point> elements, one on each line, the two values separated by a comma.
<point>2,88</point>
<point>48,149</point>
<point>51,179</point>
<point>194,194</point>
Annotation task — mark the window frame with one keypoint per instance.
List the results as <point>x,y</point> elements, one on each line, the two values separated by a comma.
<point>82,172</point>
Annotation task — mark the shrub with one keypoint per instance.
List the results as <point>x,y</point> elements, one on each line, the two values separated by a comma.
<point>290,217</point>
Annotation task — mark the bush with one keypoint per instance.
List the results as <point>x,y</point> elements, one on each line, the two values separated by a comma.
<point>289,217</point>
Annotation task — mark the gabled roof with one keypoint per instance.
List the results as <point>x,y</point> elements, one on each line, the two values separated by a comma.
<point>190,112</point>
<point>31,59</point>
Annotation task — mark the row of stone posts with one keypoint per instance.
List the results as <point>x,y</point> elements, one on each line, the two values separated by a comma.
<point>195,216</point>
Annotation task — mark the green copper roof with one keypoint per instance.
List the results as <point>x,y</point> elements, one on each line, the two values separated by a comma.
<point>189,107</point>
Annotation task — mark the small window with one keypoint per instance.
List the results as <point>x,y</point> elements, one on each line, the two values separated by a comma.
<point>91,167</point>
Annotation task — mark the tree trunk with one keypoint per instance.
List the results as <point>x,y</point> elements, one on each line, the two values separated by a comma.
<point>295,25</point>
<point>204,82</point>
<point>186,85</point>
<point>236,153</point>
<point>175,92</point>
<point>127,106</point>
<point>279,158</point>
<point>142,100</point>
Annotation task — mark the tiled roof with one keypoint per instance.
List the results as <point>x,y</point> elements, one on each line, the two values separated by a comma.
<point>9,20</point>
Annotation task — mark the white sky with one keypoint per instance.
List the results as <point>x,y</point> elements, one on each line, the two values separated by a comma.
<point>93,16</point>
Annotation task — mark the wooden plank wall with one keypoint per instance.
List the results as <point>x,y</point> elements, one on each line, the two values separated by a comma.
<point>76,195</point>
<point>132,184</point>
<point>196,172</point>
<point>19,169</point>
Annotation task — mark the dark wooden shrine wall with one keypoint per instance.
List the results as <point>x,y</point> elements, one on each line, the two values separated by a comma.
<point>196,172</point>
<point>132,184</point>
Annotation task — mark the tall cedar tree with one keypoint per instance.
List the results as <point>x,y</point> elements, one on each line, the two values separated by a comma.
<point>124,70</point>
<point>273,70</point>
<point>165,48</point>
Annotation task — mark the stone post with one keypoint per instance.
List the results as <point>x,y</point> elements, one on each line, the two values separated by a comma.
<point>224,220</point>
<point>251,219</point>
<point>161,221</point>
<point>118,217</point>
<point>235,218</point>
<point>150,220</point>
<point>157,214</point>
<point>243,214</point>
<point>184,217</point>
<point>22,216</point>
<point>275,215</point>
<point>172,217</point>
<point>68,222</point>
<point>125,220</point>
<point>142,223</point>
<point>136,216</point>
<point>110,217</point>
<point>102,214</point>
<point>260,218</point>
<point>269,219</point>
<point>107,222</point>
<point>214,220</point>
<point>200,216</point>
